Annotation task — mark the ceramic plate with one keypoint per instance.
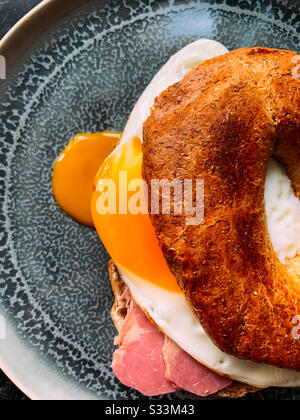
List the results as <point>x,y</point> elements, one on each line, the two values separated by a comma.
<point>77,66</point>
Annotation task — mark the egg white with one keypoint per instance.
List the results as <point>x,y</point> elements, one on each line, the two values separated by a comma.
<point>169,310</point>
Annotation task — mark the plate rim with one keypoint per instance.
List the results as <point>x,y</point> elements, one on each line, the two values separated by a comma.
<point>15,36</point>
<point>55,10</point>
<point>51,10</point>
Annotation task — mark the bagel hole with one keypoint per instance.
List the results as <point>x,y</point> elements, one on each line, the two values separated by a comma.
<point>283,213</point>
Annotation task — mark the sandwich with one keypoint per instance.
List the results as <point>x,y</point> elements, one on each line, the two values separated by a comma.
<point>198,207</point>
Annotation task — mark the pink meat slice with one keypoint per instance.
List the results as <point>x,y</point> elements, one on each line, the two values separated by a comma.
<point>139,362</point>
<point>153,364</point>
<point>188,374</point>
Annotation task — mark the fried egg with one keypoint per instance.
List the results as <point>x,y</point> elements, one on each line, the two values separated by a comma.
<point>75,169</point>
<point>130,238</point>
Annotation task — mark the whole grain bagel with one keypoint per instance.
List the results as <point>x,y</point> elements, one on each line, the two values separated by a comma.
<point>222,123</point>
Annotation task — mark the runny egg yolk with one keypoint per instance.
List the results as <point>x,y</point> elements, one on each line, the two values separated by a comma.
<point>129,238</point>
<point>75,170</point>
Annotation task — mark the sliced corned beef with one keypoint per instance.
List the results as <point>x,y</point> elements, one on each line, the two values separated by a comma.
<point>188,374</point>
<point>139,363</point>
<point>151,363</point>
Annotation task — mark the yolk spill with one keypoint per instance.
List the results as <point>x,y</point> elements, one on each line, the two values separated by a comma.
<point>129,238</point>
<point>75,170</point>
<point>79,186</point>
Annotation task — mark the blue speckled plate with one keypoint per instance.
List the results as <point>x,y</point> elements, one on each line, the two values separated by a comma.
<point>86,65</point>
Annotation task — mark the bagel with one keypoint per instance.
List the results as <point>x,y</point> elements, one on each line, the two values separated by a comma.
<point>222,123</point>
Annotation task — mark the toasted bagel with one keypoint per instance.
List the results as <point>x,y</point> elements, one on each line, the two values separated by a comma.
<point>119,311</point>
<point>222,123</point>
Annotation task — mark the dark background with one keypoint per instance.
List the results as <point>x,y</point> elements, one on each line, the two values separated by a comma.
<point>10,12</point>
